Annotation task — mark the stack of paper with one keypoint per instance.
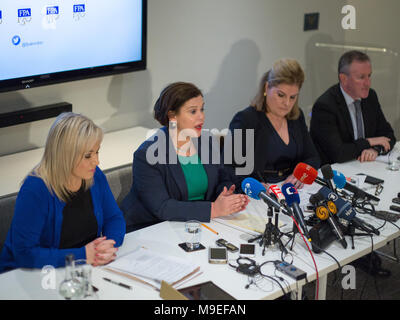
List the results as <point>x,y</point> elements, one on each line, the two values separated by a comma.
<point>153,267</point>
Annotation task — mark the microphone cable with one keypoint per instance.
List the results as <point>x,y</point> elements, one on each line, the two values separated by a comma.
<point>312,256</point>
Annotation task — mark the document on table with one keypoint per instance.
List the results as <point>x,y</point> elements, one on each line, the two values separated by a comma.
<point>252,220</point>
<point>153,267</point>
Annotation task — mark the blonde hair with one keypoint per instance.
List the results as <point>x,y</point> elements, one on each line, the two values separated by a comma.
<point>70,136</point>
<point>283,71</point>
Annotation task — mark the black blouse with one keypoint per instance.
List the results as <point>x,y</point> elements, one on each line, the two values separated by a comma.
<point>274,161</point>
<point>79,226</point>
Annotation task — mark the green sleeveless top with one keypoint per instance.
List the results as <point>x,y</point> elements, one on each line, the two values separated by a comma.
<point>195,176</point>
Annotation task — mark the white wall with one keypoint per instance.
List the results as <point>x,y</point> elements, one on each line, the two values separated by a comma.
<point>222,46</point>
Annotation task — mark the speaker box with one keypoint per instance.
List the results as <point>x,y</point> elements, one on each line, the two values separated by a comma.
<point>322,236</point>
<point>33,114</point>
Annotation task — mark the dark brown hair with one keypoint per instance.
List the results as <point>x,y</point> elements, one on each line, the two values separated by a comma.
<point>172,98</point>
<point>284,71</point>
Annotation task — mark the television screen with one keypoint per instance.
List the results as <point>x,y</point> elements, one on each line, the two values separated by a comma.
<point>50,41</point>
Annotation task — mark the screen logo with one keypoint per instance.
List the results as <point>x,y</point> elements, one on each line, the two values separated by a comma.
<point>1,17</point>
<point>79,11</point>
<point>16,40</point>
<point>52,14</point>
<point>24,16</point>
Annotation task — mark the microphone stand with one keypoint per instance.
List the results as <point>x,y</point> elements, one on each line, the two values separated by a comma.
<point>351,231</point>
<point>272,234</point>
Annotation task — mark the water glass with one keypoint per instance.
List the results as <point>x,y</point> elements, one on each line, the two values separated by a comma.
<point>83,273</point>
<point>394,162</point>
<point>192,234</point>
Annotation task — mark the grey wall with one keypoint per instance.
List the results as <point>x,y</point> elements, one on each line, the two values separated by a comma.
<point>222,46</point>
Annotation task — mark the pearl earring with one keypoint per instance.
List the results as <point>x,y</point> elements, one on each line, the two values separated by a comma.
<point>172,124</point>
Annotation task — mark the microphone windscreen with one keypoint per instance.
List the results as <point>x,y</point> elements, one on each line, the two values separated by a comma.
<point>305,173</point>
<point>252,188</point>
<point>316,198</point>
<point>274,189</point>
<point>339,179</point>
<point>344,208</point>
<point>290,193</point>
<point>326,170</point>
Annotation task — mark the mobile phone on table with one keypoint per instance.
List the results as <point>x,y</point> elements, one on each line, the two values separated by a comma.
<point>247,250</point>
<point>217,255</point>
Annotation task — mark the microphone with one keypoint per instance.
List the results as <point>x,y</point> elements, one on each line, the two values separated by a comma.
<point>325,210</point>
<point>327,173</point>
<point>339,179</point>
<point>274,189</point>
<point>346,211</point>
<point>307,174</point>
<point>293,200</point>
<point>256,190</point>
<point>341,183</point>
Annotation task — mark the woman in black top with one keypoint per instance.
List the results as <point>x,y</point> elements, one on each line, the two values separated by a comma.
<point>281,137</point>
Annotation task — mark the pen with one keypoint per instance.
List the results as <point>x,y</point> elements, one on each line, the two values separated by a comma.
<point>118,283</point>
<point>209,228</point>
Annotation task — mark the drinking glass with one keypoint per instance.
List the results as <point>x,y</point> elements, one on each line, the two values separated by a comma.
<point>394,162</point>
<point>83,273</point>
<point>192,234</point>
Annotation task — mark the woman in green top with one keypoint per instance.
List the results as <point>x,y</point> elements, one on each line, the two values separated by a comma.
<point>177,173</point>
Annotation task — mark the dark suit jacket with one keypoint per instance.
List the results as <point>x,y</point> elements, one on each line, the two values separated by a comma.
<point>332,130</point>
<point>250,118</point>
<point>159,191</point>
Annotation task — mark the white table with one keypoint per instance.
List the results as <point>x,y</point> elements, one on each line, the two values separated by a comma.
<point>165,237</point>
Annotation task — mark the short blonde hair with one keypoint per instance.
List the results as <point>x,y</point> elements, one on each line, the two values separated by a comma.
<point>70,136</point>
<point>283,71</point>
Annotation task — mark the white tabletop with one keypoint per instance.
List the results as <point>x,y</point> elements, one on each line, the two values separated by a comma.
<point>165,237</point>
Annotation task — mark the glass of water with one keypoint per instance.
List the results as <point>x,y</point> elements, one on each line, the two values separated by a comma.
<point>83,273</point>
<point>394,162</point>
<point>192,234</point>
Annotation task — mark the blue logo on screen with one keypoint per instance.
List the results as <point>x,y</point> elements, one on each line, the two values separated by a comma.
<point>79,8</point>
<point>79,11</point>
<point>16,40</point>
<point>24,15</point>
<point>52,10</point>
<point>1,17</point>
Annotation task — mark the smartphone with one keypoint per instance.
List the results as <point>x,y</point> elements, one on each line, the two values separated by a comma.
<point>396,200</point>
<point>217,255</point>
<point>371,180</point>
<point>395,208</point>
<point>247,250</point>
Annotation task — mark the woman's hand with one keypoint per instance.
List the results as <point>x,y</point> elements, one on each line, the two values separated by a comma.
<point>228,203</point>
<point>100,251</point>
<point>293,180</point>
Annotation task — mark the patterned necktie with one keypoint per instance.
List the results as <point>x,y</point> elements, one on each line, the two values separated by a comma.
<point>360,129</point>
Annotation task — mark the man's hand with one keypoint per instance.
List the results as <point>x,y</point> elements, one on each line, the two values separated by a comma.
<point>382,141</point>
<point>368,155</point>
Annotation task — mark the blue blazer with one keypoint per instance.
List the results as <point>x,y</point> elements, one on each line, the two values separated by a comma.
<point>159,191</point>
<point>34,236</point>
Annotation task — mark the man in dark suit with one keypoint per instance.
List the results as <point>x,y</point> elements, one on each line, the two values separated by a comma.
<point>347,121</point>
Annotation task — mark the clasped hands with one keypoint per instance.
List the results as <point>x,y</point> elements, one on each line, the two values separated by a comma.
<point>100,251</point>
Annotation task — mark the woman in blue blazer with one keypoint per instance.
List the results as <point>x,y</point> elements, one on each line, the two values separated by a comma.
<point>177,173</point>
<point>65,205</point>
